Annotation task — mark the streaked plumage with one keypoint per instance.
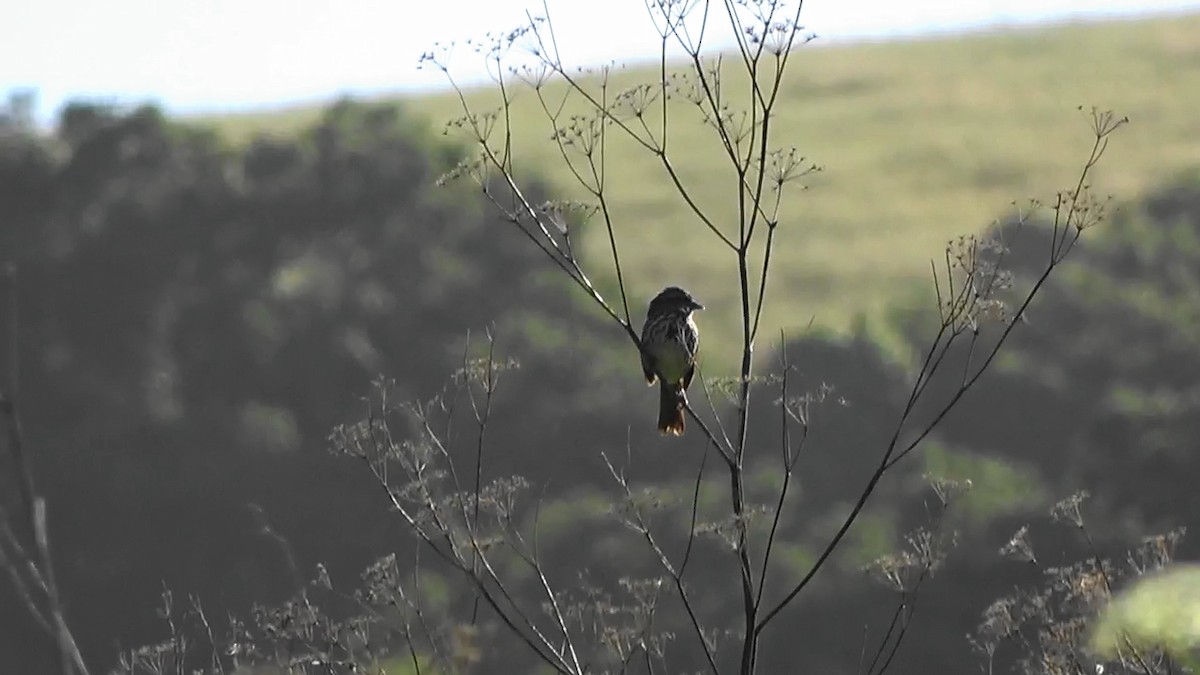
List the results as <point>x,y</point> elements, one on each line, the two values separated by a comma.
<point>669,344</point>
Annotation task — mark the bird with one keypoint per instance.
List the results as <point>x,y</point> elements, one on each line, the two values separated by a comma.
<point>668,348</point>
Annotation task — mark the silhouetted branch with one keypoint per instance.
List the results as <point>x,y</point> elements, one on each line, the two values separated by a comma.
<point>39,571</point>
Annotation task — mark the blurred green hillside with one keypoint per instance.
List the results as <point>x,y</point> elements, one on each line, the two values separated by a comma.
<point>920,141</point>
<point>261,283</point>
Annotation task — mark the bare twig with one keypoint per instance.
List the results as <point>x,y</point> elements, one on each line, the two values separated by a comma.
<point>1068,224</point>
<point>41,572</point>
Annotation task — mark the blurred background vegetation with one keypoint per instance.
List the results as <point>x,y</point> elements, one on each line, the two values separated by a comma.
<point>202,300</point>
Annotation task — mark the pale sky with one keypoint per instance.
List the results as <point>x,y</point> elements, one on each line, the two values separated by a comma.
<point>217,55</point>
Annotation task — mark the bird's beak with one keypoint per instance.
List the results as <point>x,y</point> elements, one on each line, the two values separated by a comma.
<point>696,305</point>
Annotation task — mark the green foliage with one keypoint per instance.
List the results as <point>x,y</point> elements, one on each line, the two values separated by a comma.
<point>1100,373</point>
<point>794,561</point>
<point>999,487</point>
<point>921,141</point>
<point>405,666</point>
<point>196,318</point>
<point>1157,612</point>
<point>874,535</point>
<point>1097,394</point>
<point>191,302</point>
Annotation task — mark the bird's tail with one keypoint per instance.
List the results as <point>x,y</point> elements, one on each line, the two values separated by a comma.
<point>670,409</point>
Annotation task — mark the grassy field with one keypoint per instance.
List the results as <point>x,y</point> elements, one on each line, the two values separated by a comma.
<point>920,141</point>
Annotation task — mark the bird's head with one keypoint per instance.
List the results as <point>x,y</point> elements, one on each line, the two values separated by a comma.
<point>673,299</point>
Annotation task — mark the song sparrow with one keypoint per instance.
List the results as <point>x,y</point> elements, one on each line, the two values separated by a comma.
<point>669,343</point>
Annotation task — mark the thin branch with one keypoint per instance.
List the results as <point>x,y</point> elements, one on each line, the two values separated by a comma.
<point>35,507</point>
<point>890,456</point>
<point>789,461</point>
<point>665,562</point>
<point>726,449</point>
<point>532,559</point>
<point>10,561</point>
